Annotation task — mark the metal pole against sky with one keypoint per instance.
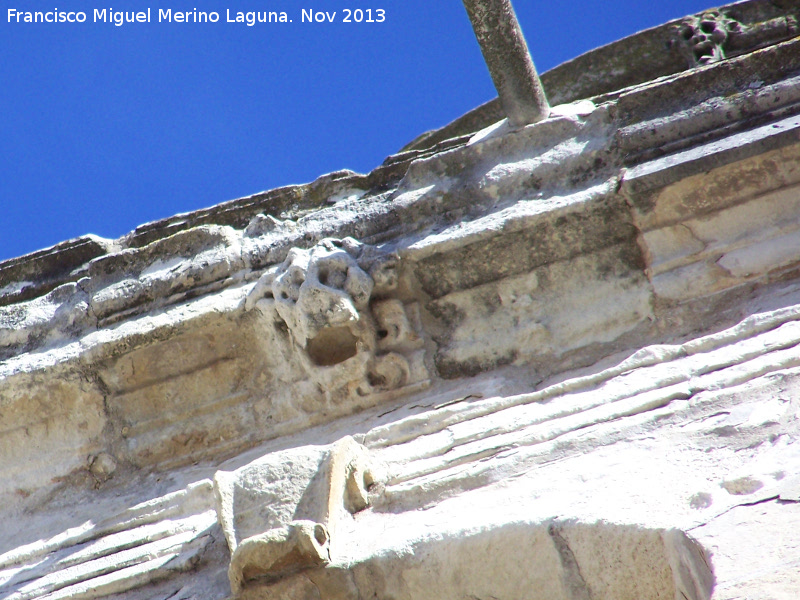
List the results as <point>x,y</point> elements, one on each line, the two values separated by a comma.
<point>510,64</point>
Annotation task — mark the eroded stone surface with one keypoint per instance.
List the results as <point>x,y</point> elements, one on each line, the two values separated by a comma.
<point>281,514</point>
<point>552,362</point>
<point>320,308</point>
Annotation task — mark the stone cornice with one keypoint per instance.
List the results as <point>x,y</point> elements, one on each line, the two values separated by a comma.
<point>189,255</point>
<point>577,340</point>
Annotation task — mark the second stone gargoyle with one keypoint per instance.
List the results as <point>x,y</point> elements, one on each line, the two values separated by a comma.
<point>280,512</point>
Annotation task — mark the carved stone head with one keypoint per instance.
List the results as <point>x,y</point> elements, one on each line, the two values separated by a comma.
<point>322,295</point>
<point>706,35</point>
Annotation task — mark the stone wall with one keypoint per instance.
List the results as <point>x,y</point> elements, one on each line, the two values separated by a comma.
<point>552,362</point>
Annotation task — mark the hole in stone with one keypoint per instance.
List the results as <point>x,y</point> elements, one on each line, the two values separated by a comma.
<point>687,34</point>
<point>332,346</point>
<point>323,276</point>
<point>298,277</point>
<point>707,26</point>
<point>382,333</point>
<point>376,380</point>
<point>284,295</point>
<point>282,328</point>
<point>369,479</point>
<point>320,535</point>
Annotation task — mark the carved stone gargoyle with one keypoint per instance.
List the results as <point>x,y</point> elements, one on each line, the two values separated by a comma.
<point>348,337</point>
<point>280,512</point>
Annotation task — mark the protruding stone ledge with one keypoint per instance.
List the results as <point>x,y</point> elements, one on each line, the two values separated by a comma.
<point>660,172</point>
<point>38,273</point>
<point>555,560</point>
<point>647,56</point>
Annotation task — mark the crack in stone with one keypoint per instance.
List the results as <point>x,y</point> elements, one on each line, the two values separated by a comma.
<point>741,504</point>
<point>574,585</point>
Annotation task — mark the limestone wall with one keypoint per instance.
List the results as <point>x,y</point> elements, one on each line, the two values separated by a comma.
<point>552,362</point>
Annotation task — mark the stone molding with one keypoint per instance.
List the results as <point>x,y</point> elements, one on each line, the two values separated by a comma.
<point>560,358</point>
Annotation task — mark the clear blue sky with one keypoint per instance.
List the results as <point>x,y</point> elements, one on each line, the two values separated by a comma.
<point>103,128</point>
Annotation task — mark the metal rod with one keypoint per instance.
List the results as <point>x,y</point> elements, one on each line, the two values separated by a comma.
<point>510,64</point>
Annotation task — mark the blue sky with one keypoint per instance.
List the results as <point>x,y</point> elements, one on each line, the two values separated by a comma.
<point>103,128</point>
